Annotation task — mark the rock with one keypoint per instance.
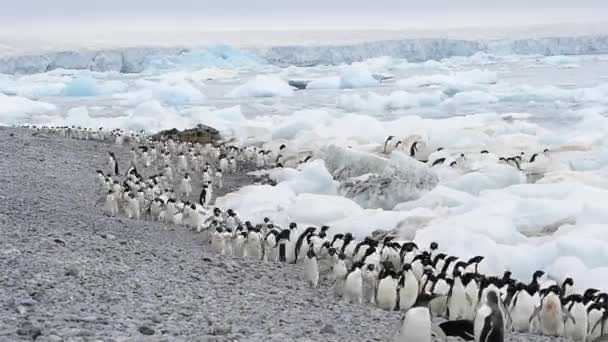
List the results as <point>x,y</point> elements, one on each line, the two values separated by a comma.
<point>28,329</point>
<point>145,330</point>
<point>328,329</point>
<point>71,272</point>
<point>200,134</point>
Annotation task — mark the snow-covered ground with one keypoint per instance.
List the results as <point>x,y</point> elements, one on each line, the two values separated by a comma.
<point>503,97</point>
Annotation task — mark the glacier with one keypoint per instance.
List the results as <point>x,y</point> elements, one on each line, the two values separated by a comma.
<point>139,59</point>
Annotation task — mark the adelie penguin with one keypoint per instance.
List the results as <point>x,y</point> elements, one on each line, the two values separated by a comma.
<point>386,295</point>
<point>489,322</point>
<point>311,268</point>
<point>282,240</point>
<point>550,313</point>
<point>114,163</point>
<point>416,326</point>
<point>300,240</point>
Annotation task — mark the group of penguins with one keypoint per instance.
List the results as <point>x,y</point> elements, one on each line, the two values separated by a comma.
<point>536,163</point>
<point>440,295</point>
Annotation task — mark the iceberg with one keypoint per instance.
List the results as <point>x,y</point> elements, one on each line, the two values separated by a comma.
<point>138,59</point>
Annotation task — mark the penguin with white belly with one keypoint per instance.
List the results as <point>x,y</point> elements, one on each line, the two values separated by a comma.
<point>550,312</point>
<point>386,295</point>
<point>408,288</point>
<point>457,302</point>
<point>339,273</point>
<point>416,326</point>
<point>353,285</point>
<point>311,268</point>
<point>576,330</point>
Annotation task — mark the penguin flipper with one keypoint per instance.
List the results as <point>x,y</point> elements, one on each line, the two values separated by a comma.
<point>437,331</point>
<point>535,313</point>
<point>487,329</point>
<point>567,315</point>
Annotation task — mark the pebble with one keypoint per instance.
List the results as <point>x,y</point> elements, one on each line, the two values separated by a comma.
<point>144,330</point>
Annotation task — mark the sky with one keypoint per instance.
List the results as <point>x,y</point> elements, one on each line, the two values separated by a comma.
<point>45,15</point>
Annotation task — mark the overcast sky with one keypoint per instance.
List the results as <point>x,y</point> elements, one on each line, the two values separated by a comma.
<point>313,14</point>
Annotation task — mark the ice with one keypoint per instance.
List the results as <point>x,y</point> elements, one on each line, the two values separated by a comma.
<point>357,76</point>
<point>262,86</point>
<point>325,83</point>
<point>82,86</point>
<point>130,60</point>
<point>321,209</point>
<point>17,109</point>
<point>312,178</point>
<point>395,100</point>
<point>376,182</point>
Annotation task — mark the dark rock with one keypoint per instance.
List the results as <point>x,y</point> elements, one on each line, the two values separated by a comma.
<point>328,329</point>
<point>145,330</point>
<point>298,84</point>
<point>59,242</point>
<point>200,134</point>
<point>72,272</point>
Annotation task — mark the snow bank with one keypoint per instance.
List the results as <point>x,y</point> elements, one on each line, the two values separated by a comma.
<point>376,182</point>
<point>262,86</point>
<point>81,86</point>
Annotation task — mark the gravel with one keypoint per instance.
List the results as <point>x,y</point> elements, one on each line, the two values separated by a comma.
<point>68,273</point>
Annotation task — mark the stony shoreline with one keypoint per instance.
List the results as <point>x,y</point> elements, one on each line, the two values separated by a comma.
<point>71,274</point>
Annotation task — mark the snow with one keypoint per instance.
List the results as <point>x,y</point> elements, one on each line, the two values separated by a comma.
<point>262,86</point>
<point>16,109</point>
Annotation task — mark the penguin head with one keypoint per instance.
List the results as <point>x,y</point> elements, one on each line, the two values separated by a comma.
<point>590,294</point>
<point>324,228</point>
<point>331,251</point>
<point>434,246</point>
<point>492,298</point>
<point>537,275</point>
<point>266,220</point>
<point>568,282</point>
<point>293,225</point>
<point>475,260</point>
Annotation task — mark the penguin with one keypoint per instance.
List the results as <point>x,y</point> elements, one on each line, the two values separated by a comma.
<point>457,303</point>
<point>110,207</point>
<point>551,313</point>
<point>415,326</point>
<point>254,243</point>
<point>205,197</point>
<point>390,137</point>
<point>369,277</point>
<point>219,179</point>
<point>522,306</point>
<point>576,306</point>
<point>300,240</point>
<point>270,242</point>
<point>282,240</point>
<point>114,164</point>
<point>386,295</point>
<point>186,185</point>
<point>595,314</point>
<point>489,322</point>
<point>311,268</point>
<point>339,273</point>
<point>408,288</point>
<point>353,285</point>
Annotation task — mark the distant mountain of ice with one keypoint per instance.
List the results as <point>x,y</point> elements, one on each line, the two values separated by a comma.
<point>134,60</point>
